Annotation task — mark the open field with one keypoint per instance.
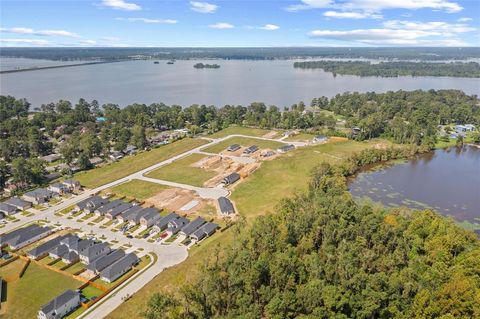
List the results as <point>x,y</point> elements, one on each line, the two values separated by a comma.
<point>243,131</point>
<point>302,136</point>
<point>12,270</point>
<point>137,189</point>
<point>181,171</point>
<point>131,164</point>
<point>263,190</point>
<point>243,141</point>
<point>37,287</point>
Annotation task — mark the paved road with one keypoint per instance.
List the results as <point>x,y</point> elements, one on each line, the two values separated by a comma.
<point>168,255</point>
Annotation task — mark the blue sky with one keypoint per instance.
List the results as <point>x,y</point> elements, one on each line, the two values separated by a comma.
<point>121,23</point>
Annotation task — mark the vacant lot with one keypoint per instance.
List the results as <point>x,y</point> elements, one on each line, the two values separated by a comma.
<point>37,287</point>
<point>301,137</point>
<point>243,131</point>
<point>243,141</point>
<point>131,164</point>
<point>137,189</point>
<point>181,171</point>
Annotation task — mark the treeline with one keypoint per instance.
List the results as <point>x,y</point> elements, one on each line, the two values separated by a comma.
<point>323,255</point>
<point>270,53</point>
<point>394,69</point>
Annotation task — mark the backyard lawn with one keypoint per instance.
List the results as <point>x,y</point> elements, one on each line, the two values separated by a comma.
<point>243,131</point>
<point>181,171</point>
<point>243,141</point>
<point>137,189</point>
<point>131,164</point>
<point>37,287</point>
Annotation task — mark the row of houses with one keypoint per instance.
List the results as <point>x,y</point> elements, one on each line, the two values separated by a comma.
<point>22,237</point>
<point>196,229</point>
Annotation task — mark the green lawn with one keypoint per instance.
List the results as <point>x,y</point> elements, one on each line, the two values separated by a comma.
<point>243,131</point>
<point>91,291</point>
<point>12,270</point>
<point>243,141</point>
<point>181,171</point>
<point>75,268</point>
<point>137,189</point>
<point>302,136</point>
<point>131,164</point>
<point>37,287</point>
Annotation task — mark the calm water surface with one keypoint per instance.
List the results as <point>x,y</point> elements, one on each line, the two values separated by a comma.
<point>236,82</point>
<point>445,180</point>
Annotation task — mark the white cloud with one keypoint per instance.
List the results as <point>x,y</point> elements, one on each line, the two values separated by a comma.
<point>24,42</point>
<point>110,39</point>
<point>147,20</point>
<point>88,42</point>
<point>464,19</point>
<point>397,32</point>
<point>351,15</point>
<point>121,5</point>
<point>221,25</point>
<point>270,27</point>
<point>377,5</point>
<point>203,7</point>
<point>58,33</point>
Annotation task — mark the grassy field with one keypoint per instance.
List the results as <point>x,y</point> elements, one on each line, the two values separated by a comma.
<point>131,164</point>
<point>301,137</point>
<point>137,189</point>
<point>244,141</point>
<point>180,171</point>
<point>243,131</point>
<point>37,287</point>
<point>91,291</point>
<point>255,196</point>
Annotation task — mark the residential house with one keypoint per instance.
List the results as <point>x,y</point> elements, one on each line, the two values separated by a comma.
<point>72,185</point>
<point>26,236</point>
<point>162,224</point>
<point>59,251</point>
<point>233,147</point>
<point>102,210</point>
<point>118,210</point>
<point>150,218</point>
<point>286,148</point>
<point>38,196</point>
<point>96,160</point>
<point>174,226</point>
<point>232,178</point>
<point>320,139</point>
<point>130,150</point>
<point>59,188</point>
<point>206,230</point>
<point>251,149</point>
<point>118,268</point>
<point>7,209</point>
<point>89,205</point>
<point>43,249</point>
<point>188,229</point>
<point>134,219</point>
<point>124,216</point>
<point>226,206</point>
<point>6,238</point>
<point>93,252</point>
<point>115,156</point>
<point>60,305</point>
<point>267,153</point>
<point>20,204</point>
<point>80,246</point>
<point>70,258</point>
<point>51,158</point>
<point>96,266</point>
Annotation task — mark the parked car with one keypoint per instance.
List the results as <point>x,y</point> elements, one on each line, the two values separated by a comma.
<point>129,236</point>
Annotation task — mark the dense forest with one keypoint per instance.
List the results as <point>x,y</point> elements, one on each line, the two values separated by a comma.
<point>323,255</point>
<point>268,53</point>
<point>73,131</point>
<point>394,69</point>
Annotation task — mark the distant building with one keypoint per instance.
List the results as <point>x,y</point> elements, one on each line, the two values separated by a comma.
<point>251,149</point>
<point>93,252</point>
<point>124,216</point>
<point>59,188</point>
<point>150,218</point>
<point>226,206</point>
<point>51,158</point>
<point>38,196</point>
<point>90,204</point>
<point>24,236</point>
<point>7,209</point>
<point>70,258</point>
<point>43,249</point>
<point>191,227</point>
<point>72,185</point>
<point>320,139</point>
<point>233,147</point>
<point>118,210</point>
<point>162,224</point>
<point>286,148</point>
<point>104,209</point>
<point>60,305</point>
<point>96,266</point>
<point>18,203</point>
<point>174,226</point>
<point>206,230</point>
<point>232,178</point>
<point>118,268</point>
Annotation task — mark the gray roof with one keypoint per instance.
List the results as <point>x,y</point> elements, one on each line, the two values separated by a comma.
<point>232,178</point>
<point>109,206</point>
<point>205,230</point>
<point>226,206</point>
<point>6,238</point>
<point>137,215</point>
<point>251,149</point>
<point>46,247</point>
<point>71,256</point>
<point>105,261</point>
<point>233,147</point>
<point>70,240</point>
<point>93,250</point>
<point>119,267</point>
<point>163,222</point>
<point>287,147</point>
<point>17,202</point>
<point>39,193</point>
<point>60,251</point>
<point>193,226</point>
<point>82,245</point>
<point>25,236</point>
<point>59,301</point>
<point>59,185</point>
<point>71,182</point>
<point>120,209</point>
<point>178,222</point>
<point>92,202</point>
<point>7,209</point>
<point>151,213</point>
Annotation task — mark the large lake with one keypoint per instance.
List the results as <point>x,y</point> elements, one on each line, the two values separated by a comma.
<point>445,180</point>
<point>236,82</point>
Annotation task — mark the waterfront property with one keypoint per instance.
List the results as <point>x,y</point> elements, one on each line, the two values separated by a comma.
<point>60,305</point>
